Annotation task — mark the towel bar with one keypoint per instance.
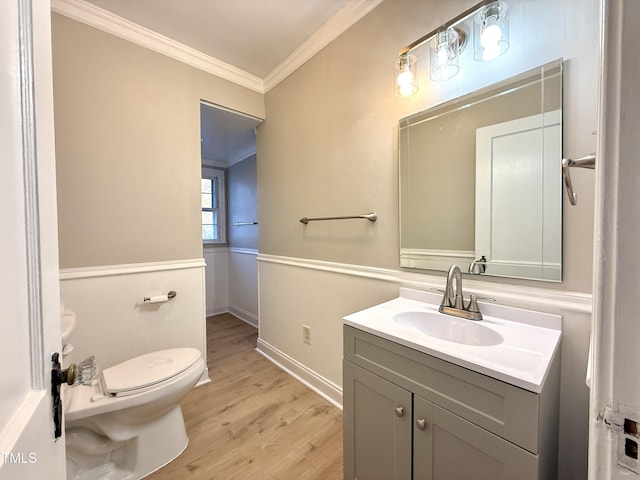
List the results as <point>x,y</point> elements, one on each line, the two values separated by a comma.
<point>372,217</point>
<point>585,162</point>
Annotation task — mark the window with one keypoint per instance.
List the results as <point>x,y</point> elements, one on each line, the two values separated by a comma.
<point>213,214</point>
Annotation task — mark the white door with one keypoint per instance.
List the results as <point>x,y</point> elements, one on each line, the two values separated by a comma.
<point>519,196</point>
<point>29,291</point>
<point>615,389</point>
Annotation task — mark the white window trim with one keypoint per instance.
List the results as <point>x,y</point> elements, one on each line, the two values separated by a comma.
<point>216,173</point>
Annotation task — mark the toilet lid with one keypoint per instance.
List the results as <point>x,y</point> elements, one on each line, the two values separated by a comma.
<point>148,369</point>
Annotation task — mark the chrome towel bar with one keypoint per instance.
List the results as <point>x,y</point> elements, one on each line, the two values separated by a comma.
<point>585,162</point>
<point>242,224</point>
<point>372,217</point>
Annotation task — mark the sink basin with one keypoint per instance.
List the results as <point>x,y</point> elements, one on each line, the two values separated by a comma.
<point>510,344</point>
<point>448,328</point>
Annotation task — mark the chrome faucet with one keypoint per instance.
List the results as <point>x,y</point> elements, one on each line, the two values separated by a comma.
<point>453,302</point>
<point>479,265</point>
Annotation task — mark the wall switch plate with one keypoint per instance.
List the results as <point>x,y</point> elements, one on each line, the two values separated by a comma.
<point>306,334</point>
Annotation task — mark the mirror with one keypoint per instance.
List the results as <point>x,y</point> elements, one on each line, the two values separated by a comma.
<point>480,180</point>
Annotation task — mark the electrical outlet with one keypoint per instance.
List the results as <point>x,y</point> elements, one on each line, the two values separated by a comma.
<point>306,334</point>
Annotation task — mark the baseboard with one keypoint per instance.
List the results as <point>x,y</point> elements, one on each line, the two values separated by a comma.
<point>240,313</point>
<point>323,387</point>
<point>217,311</point>
<point>244,315</point>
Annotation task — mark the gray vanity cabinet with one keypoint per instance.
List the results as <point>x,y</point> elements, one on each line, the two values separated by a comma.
<point>380,417</point>
<point>408,415</point>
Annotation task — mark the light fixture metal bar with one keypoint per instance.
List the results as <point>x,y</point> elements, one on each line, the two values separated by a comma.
<point>425,38</point>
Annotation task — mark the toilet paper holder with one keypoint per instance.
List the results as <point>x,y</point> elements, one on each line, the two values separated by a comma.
<point>160,298</point>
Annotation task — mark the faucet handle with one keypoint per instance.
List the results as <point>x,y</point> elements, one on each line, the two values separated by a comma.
<point>473,304</point>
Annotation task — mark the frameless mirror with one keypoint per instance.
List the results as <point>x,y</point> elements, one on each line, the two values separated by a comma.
<point>480,180</point>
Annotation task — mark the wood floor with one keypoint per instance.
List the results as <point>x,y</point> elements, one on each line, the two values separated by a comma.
<point>254,421</point>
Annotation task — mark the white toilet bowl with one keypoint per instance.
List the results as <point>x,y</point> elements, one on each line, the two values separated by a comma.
<point>130,423</point>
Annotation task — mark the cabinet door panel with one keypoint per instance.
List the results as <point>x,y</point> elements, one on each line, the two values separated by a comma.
<point>451,448</point>
<point>377,436</point>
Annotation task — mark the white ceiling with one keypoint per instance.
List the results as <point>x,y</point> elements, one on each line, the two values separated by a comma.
<point>226,137</point>
<point>252,35</point>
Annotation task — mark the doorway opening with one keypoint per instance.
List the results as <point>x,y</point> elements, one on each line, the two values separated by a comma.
<point>229,211</point>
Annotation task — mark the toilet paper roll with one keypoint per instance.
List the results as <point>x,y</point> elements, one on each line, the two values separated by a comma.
<point>157,299</point>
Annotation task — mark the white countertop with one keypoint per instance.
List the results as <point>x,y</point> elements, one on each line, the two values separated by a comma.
<point>531,339</point>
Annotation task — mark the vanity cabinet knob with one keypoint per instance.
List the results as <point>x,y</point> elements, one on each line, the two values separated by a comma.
<point>399,411</point>
<point>421,423</point>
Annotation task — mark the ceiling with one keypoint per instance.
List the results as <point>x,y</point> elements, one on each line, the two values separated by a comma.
<point>226,137</point>
<point>254,36</point>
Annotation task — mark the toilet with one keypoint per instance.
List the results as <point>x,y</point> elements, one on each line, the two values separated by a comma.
<point>128,423</point>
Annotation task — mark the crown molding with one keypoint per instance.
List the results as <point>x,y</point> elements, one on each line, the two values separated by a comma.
<point>96,17</point>
<point>101,19</point>
<point>336,25</point>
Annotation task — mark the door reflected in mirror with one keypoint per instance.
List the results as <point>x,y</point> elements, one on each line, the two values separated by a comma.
<point>480,180</point>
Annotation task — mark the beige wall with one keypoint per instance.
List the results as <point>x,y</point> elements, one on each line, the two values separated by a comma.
<point>329,144</point>
<point>127,124</point>
<point>328,147</point>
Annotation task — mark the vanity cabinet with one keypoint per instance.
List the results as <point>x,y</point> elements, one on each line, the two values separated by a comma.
<point>409,415</point>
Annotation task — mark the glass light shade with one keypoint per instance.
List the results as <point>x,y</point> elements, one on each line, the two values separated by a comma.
<point>444,53</point>
<point>404,76</point>
<point>491,31</point>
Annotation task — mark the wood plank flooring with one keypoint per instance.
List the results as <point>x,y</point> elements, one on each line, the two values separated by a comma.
<point>254,421</point>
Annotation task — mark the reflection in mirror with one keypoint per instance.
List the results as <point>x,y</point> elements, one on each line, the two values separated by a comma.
<point>480,180</point>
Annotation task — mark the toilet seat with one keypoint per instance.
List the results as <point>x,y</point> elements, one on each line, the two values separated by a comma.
<point>146,371</point>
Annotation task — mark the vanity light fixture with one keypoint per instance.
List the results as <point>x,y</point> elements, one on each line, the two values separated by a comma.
<point>491,31</point>
<point>445,53</point>
<point>491,39</point>
<point>405,75</point>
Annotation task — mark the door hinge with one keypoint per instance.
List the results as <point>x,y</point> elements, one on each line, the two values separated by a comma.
<point>626,429</point>
<point>611,419</point>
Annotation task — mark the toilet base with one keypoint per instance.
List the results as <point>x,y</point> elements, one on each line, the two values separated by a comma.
<point>91,454</point>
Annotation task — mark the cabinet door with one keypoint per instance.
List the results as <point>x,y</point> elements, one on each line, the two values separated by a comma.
<point>448,447</point>
<point>377,427</point>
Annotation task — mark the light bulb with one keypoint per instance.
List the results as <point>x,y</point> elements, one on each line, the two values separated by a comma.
<point>405,84</point>
<point>405,91</point>
<point>404,75</point>
<point>490,52</point>
<point>442,57</point>
<point>491,31</point>
<point>405,78</point>
<point>491,35</point>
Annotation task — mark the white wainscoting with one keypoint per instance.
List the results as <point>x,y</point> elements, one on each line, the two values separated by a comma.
<point>217,279</point>
<point>296,292</point>
<point>243,284</point>
<point>113,322</point>
<point>232,282</point>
